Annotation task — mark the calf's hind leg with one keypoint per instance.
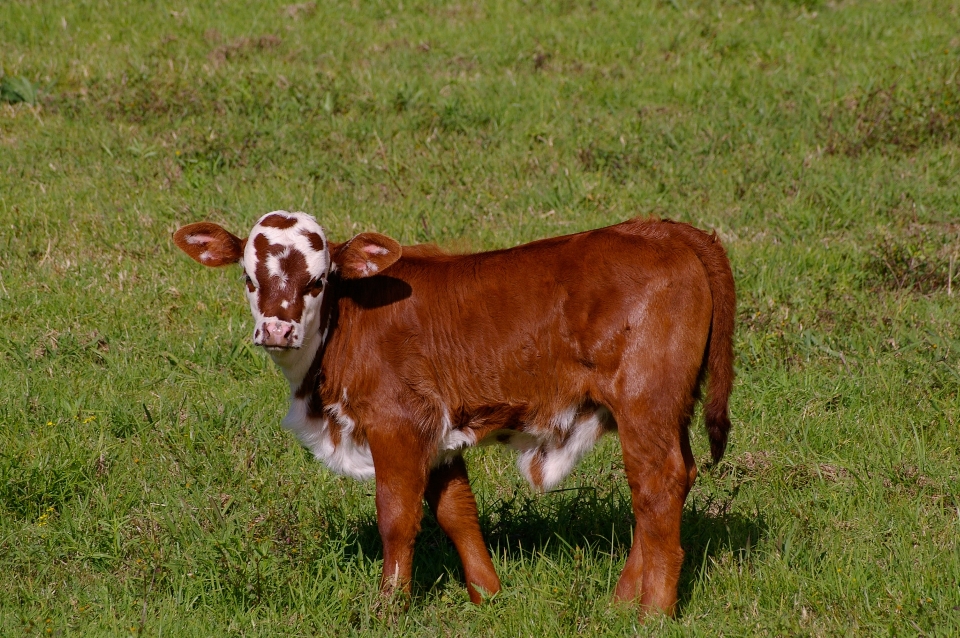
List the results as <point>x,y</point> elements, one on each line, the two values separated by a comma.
<point>452,502</point>
<point>659,474</point>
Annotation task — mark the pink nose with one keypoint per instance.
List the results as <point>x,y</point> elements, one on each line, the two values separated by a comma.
<point>276,334</point>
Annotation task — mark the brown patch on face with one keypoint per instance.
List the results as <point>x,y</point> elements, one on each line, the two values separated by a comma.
<point>278,221</point>
<point>315,239</point>
<point>276,290</point>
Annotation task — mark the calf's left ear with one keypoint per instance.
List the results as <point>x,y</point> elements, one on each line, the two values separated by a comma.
<point>210,244</point>
<point>365,255</point>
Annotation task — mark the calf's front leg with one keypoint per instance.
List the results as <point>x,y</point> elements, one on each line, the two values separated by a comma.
<point>401,477</point>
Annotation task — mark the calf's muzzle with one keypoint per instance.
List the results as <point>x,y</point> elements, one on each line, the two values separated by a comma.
<point>275,334</point>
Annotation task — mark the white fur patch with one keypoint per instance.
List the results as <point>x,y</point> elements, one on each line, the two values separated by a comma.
<point>452,442</point>
<point>559,448</point>
<point>346,457</point>
<point>565,419</point>
<point>294,364</point>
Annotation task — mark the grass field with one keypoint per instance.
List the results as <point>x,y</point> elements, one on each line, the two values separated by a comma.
<point>146,487</point>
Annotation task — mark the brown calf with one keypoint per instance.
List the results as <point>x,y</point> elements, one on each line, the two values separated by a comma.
<point>398,359</point>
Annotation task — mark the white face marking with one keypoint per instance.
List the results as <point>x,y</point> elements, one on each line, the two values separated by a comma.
<point>274,286</point>
<point>318,262</point>
<point>275,269</point>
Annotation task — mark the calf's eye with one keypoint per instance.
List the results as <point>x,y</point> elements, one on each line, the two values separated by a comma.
<point>315,287</point>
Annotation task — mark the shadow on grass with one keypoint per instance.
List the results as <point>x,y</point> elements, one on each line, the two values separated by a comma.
<point>710,535</point>
<point>526,526</point>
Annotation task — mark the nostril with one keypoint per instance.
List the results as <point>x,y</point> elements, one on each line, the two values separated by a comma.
<point>276,334</point>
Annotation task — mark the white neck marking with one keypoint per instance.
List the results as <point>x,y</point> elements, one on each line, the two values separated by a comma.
<point>295,364</point>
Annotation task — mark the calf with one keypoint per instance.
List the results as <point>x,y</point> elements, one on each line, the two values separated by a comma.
<point>399,359</point>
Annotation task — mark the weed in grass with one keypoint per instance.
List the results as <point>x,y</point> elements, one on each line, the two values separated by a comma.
<point>918,257</point>
<point>893,118</point>
<point>17,89</point>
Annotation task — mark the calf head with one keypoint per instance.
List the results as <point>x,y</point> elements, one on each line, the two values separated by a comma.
<point>286,263</point>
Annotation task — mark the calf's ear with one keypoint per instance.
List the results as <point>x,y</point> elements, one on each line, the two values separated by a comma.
<point>365,255</point>
<point>210,244</point>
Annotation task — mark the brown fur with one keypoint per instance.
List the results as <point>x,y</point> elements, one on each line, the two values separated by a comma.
<point>555,341</point>
<point>624,317</point>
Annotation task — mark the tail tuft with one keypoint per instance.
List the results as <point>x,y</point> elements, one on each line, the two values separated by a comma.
<point>718,427</point>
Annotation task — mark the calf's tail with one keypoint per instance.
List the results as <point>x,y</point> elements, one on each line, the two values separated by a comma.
<point>719,355</point>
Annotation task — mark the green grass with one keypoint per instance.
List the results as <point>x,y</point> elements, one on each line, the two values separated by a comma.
<point>145,484</point>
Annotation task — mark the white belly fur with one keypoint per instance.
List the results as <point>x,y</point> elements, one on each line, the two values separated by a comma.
<point>558,448</point>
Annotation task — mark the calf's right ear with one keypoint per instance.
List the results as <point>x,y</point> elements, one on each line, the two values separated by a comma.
<point>210,244</point>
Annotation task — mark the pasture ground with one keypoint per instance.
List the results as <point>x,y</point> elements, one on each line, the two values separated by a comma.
<point>146,487</point>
